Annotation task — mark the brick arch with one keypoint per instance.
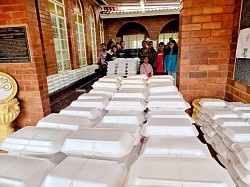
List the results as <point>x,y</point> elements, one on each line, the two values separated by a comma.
<point>170,21</point>
<point>119,32</point>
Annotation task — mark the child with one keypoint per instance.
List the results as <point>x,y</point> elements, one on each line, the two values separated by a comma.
<point>146,68</point>
<point>171,59</point>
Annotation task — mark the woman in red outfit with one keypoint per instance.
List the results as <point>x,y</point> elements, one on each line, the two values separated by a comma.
<point>159,60</point>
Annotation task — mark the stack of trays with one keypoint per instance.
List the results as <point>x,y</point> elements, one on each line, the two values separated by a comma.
<point>132,67</point>
<point>226,128</point>
<point>112,67</point>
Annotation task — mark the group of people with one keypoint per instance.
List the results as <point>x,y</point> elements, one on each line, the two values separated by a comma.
<point>162,61</point>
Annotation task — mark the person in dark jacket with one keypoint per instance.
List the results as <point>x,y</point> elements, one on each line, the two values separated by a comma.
<point>143,51</point>
<point>152,55</point>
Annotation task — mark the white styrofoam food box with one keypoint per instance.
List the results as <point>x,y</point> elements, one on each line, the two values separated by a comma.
<point>133,80</point>
<point>167,103</point>
<point>94,96</point>
<point>162,87</point>
<point>92,103</point>
<point>173,94</point>
<point>99,142</point>
<point>91,113</point>
<point>242,151</point>
<point>176,171</point>
<point>221,113</point>
<point>244,114</point>
<point>131,93</point>
<point>133,85</point>
<point>101,84</point>
<point>224,161</point>
<point>242,173</point>
<point>134,130</point>
<point>212,103</point>
<point>81,172</point>
<point>107,91</point>
<point>36,140</point>
<point>238,134</point>
<point>20,171</point>
<point>110,79</point>
<point>160,145</point>
<point>124,117</point>
<point>235,106</point>
<point>223,150</point>
<point>126,104</point>
<point>59,121</point>
<point>227,122</point>
<point>168,127</point>
<point>159,80</point>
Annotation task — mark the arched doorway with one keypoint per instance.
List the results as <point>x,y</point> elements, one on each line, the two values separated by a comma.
<point>132,33</point>
<point>170,30</point>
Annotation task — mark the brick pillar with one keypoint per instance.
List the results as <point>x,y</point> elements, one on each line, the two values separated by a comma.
<point>30,77</point>
<point>71,28</point>
<point>204,47</point>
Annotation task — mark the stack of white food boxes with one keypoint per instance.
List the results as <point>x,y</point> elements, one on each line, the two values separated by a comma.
<point>172,155</point>
<point>226,127</point>
<point>94,141</point>
<point>112,67</point>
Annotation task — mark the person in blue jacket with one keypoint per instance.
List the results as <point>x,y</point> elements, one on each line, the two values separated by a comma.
<point>171,59</point>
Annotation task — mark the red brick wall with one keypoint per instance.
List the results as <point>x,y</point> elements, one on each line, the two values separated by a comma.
<point>153,25</point>
<point>236,91</point>
<point>31,77</point>
<point>205,37</point>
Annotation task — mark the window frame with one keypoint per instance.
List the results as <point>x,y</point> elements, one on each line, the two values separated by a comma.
<point>93,35</point>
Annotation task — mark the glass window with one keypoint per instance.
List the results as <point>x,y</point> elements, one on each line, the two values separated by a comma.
<point>164,37</point>
<point>58,20</point>
<point>133,41</point>
<point>93,36</point>
<point>80,34</point>
<point>101,31</point>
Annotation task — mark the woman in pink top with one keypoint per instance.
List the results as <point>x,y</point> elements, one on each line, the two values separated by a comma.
<point>146,68</point>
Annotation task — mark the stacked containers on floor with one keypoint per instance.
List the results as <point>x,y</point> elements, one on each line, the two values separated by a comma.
<point>172,155</point>
<point>226,128</point>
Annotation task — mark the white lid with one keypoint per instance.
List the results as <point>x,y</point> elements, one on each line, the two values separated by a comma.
<point>222,150</point>
<point>20,171</point>
<point>92,103</point>
<point>160,145</point>
<point>133,80</point>
<point>59,121</point>
<point>140,76</point>
<point>235,106</point>
<point>114,76</point>
<point>176,171</point>
<point>242,151</point>
<point>222,160</point>
<point>81,172</point>
<point>242,173</point>
<point>219,130</point>
<point>227,122</point>
<point>131,93</point>
<point>168,127</point>
<point>132,129</point>
<point>102,84</point>
<point>162,77</point>
<point>208,139</point>
<point>212,103</point>
<point>159,80</point>
<point>168,103</point>
<point>135,85</point>
<point>91,113</point>
<point>110,79</point>
<point>35,140</point>
<point>228,142</point>
<point>126,104</point>
<point>244,113</point>
<point>219,113</point>
<point>99,142</point>
<point>233,158</point>
<point>106,91</point>
<point>210,131</point>
<point>162,87</point>
<point>173,94</point>
<point>217,139</point>
<point>169,114</point>
<point>94,96</point>
<point>238,134</point>
<point>124,117</point>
